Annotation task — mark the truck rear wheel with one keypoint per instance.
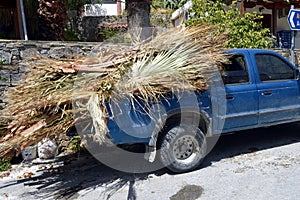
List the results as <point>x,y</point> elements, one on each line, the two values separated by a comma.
<point>182,148</point>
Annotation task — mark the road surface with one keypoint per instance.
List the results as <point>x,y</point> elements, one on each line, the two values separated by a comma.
<point>255,164</point>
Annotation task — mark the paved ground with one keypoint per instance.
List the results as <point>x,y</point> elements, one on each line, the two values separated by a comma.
<point>257,164</point>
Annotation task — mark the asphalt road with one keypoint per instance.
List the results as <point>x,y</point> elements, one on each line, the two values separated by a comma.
<point>255,164</point>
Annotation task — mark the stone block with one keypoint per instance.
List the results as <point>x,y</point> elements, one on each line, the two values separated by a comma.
<point>55,44</point>
<point>15,78</point>
<point>77,50</point>
<point>5,78</point>
<point>15,52</point>
<point>60,52</point>
<point>29,53</point>
<point>44,51</point>
<point>2,45</point>
<point>45,46</point>
<point>10,45</point>
<point>19,45</point>
<point>6,57</point>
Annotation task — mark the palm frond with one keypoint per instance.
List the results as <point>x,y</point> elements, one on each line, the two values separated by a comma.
<point>68,92</point>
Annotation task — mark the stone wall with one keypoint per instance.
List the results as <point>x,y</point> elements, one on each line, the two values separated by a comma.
<point>13,55</point>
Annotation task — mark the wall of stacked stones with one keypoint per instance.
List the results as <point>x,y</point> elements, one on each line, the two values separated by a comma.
<point>14,54</point>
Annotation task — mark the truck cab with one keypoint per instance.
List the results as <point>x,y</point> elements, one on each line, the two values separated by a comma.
<point>262,89</point>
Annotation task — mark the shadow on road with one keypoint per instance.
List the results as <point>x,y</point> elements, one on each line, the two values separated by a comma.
<point>252,141</point>
<point>86,173</point>
<point>82,174</point>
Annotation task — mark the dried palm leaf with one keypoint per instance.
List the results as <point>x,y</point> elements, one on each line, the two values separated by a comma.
<point>58,94</point>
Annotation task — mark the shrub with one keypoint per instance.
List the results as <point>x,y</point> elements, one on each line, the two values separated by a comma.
<point>174,4</point>
<point>75,143</point>
<point>243,31</point>
<point>4,164</point>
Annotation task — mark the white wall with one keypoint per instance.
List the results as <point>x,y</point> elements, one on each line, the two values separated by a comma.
<point>102,9</point>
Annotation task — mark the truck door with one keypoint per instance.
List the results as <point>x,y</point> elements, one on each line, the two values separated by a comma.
<point>278,89</point>
<point>241,94</point>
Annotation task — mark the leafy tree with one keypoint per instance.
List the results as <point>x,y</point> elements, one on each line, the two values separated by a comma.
<point>52,16</point>
<point>174,4</point>
<point>77,4</point>
<point>157,4</point>
<point>243,31</point>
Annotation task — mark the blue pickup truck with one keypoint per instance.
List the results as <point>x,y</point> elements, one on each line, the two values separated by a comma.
<point>256,88</point>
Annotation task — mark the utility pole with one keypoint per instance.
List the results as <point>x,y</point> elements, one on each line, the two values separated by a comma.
<point>293,43</point>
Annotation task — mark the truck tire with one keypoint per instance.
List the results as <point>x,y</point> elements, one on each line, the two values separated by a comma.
<point>182,148</point>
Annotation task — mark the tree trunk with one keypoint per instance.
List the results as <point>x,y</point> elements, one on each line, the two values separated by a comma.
<point>138,19</point>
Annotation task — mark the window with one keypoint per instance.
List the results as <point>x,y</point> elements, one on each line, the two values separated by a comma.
<point>235,71</point>
<point>271,67</point>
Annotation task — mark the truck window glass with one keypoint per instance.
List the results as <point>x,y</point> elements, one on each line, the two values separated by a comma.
<point>271,68</point>
<point>235,71</point>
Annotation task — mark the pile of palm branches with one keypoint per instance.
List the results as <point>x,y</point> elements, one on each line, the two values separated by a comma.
<point>56,95</point>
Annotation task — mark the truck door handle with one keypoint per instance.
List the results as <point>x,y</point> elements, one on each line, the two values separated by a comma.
<point>229,96</point>
<point>267,93</point>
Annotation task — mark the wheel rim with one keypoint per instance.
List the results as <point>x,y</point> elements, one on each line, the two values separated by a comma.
<point>185,147</point>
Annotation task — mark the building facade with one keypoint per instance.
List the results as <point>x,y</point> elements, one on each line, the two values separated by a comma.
<point>275,13</point>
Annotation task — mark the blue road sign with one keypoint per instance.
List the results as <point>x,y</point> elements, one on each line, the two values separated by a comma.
<point>294,19</point>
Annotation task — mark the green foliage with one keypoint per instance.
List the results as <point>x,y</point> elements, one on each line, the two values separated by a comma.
<point>160,20</point>
<point>2,35</point>
<point>243,32</point>
<point>157,4</point>
<point>174,4</point>
<point>109,32</point>
<point>70,35</point>
<point>4,164</point>
<point>75,141</point>
<point>2,62</point>
<point>74,4</point>
<point>158,7</point>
